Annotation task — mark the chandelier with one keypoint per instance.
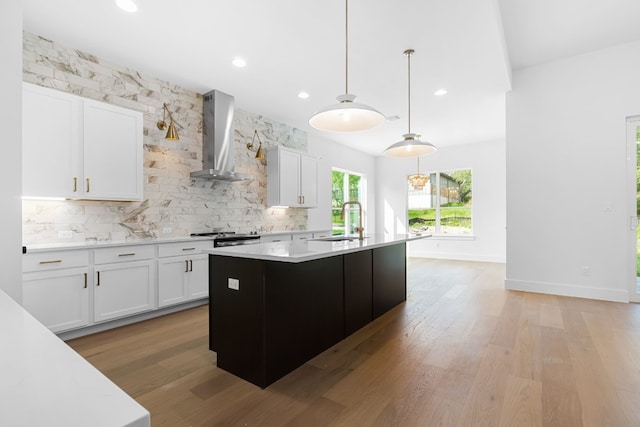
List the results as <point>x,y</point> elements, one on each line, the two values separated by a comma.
<point>418,181</point>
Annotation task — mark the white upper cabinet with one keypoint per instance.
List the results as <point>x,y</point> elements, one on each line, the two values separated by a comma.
<point>51,142</point>
<point>309,180</point>
<point>78,148</point>
<point>292,178</point>
<point>112,152</point>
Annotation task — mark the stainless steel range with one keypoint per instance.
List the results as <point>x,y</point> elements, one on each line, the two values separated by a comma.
<point>229,238</point>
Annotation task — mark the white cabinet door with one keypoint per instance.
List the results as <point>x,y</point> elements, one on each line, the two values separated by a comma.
<point>199,277</point>
<point>112,152</point>
<point>292,178</point>
<point>302,236</point>
<point>51,138</point>
<point>277,238</point>
<point>289,172</point>
<point>77,148</point>
<point>59,299</point>
<point>124,288</point>
<point>309,181</point>
<point>182,279</point>
<point>172,280</point>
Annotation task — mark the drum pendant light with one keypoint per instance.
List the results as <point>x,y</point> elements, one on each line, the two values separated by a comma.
<point>346,115</point>
<point>410,146</point>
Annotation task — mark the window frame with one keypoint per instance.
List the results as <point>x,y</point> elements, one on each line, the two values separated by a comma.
<point>345,191</point>
<point>438,204</point>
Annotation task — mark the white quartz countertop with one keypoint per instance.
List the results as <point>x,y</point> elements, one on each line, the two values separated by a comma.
<point>46,247</point>
<point>307,250</point>
<point>45,383</point>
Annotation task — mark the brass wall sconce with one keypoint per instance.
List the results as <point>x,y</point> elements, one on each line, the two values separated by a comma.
<point>260,151</point>
<point>172,133</point>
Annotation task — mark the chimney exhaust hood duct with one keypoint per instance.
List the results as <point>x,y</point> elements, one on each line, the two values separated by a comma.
<point>217,147</point>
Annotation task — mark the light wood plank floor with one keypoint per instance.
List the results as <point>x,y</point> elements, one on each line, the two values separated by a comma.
<point>461,351</point>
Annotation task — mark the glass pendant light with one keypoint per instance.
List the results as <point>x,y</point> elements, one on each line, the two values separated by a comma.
<point>346,115</point>
<point>410,146</point>
<point>418,180</point>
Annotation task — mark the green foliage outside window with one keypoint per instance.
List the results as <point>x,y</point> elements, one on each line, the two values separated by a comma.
<point>352,188</point>
<point>444,206</point>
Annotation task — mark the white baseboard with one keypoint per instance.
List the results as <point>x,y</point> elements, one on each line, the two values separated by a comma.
<point>567,290</point>
<point>457,256</point>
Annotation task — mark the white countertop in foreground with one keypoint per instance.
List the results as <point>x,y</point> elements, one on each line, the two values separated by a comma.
<point>45,383</point>
<point>308,250</point>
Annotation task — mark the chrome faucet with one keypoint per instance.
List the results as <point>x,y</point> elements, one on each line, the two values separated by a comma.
<point>359,228</point>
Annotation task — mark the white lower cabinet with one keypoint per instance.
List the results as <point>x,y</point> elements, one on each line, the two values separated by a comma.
<point>79,288</point>
<point>275,238</point>
<point>302,236</point>
<point>55,288</point>
<point>182,278</point>
<point>322,234</point>
<point>59,299</point>
<point>126,286</point>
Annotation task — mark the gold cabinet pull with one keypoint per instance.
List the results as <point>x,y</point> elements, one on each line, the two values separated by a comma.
<point>129,254</point>
<point>188,249</point>
<point>85,280</point>
<point>75,184</point>
<point>88,185</point>
<point>186,265</point>
<point>55,261</point>
<point>98,281</point>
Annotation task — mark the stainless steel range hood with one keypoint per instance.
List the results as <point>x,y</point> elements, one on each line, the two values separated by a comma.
<point>217,147</point>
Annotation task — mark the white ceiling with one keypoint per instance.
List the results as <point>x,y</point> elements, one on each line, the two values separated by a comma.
<point>294,45</point>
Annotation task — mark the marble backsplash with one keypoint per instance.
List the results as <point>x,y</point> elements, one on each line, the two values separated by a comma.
<point>172,200</point>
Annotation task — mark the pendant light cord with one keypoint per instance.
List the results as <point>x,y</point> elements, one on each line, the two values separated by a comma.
<point>409,52</point>
<point>346,46</point>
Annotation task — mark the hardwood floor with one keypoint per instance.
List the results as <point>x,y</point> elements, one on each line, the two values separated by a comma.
<point>461,351</point>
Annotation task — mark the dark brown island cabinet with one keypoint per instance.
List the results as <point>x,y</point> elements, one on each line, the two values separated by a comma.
<point>266,318</point>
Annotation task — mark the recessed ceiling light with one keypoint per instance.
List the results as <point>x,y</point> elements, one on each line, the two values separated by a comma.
<point>440,92</point>
<point>127,5</point>
<point>239,62</point>
<point>303,95</point>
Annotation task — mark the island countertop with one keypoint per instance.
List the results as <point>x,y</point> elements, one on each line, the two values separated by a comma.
<point>45,382</point>
<point>307,250</point>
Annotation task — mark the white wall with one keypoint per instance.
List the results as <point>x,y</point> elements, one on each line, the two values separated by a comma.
<point>566,169</point>
<point>10,160</point>
<point>334,155</point>
<point>487,161</point>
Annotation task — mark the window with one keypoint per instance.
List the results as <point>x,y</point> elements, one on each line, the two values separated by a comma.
<point>346,186</point>
<point>443,206</point>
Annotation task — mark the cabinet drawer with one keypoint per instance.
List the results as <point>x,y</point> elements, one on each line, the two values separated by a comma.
<point>54,260</point>
<point>183,248</point>
<point>275,238</point>
<point>124,253</point>
<point>322,234</point>
<point>302,236</point>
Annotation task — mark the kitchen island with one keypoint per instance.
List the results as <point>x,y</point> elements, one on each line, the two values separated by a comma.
<point>274,306</point>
